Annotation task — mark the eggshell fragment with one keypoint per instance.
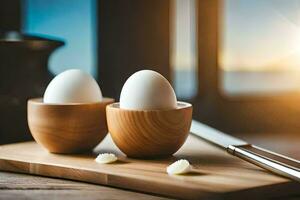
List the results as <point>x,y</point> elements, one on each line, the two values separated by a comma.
<point>179,167</point>
<point>106,158</point>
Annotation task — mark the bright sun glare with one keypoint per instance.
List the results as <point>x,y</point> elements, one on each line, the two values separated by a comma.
<point>261,35</point>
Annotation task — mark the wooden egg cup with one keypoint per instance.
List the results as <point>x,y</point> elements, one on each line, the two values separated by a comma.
<point>67,128</point>
<point>149,133</point>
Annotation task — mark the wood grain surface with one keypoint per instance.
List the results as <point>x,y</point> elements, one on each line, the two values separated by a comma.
<point>67,128</point>
<point>149,133</point>
<point>23,187</point>
<point>217,174</point>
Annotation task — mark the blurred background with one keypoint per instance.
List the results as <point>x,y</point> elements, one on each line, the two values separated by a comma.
<point>236,61</point>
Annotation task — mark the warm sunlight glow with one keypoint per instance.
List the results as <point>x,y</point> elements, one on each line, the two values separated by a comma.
<point>261,35</point>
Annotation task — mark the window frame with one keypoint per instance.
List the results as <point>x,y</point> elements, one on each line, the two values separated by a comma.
<point>234,114</point>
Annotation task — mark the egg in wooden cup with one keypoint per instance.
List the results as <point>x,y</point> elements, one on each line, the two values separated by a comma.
<point>148,122</point>
<point>71,117</point>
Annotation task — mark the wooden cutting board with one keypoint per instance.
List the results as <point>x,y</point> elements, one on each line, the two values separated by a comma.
<point>217,174</point>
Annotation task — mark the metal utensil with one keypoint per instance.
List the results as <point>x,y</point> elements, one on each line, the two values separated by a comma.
<point>274,162</point>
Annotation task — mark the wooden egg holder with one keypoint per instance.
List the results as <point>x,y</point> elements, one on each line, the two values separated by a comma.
<point>67,128</point>
<point>73,128</point>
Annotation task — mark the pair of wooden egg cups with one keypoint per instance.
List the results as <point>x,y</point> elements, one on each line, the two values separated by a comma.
<point>78,127</point>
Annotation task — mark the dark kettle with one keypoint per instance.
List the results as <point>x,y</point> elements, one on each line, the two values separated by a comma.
<point>23,74</point>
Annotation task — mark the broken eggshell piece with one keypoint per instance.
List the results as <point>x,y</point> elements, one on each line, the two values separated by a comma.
<point>179,167</point>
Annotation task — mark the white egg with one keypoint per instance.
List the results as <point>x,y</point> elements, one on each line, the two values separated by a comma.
<point>147,90</point>
<point>73,86</point>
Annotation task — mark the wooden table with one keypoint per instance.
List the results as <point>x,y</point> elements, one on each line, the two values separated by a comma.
<point>21,186</point>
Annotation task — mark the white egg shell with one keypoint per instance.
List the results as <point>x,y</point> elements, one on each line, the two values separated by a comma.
<point>106,158</point>
<point>181,166</point>
<point>147,90</point>
<point>73,86</point>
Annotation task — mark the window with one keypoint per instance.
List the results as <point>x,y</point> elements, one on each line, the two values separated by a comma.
<point>183,48</point>
<point>259,52</point>
<point>77,27</point>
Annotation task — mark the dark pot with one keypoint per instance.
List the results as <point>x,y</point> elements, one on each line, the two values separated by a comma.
<point>23,74</point>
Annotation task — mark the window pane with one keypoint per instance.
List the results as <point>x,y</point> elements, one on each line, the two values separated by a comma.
<point>183,49</point>
<point>260,47</point>
<point>75,22</point>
